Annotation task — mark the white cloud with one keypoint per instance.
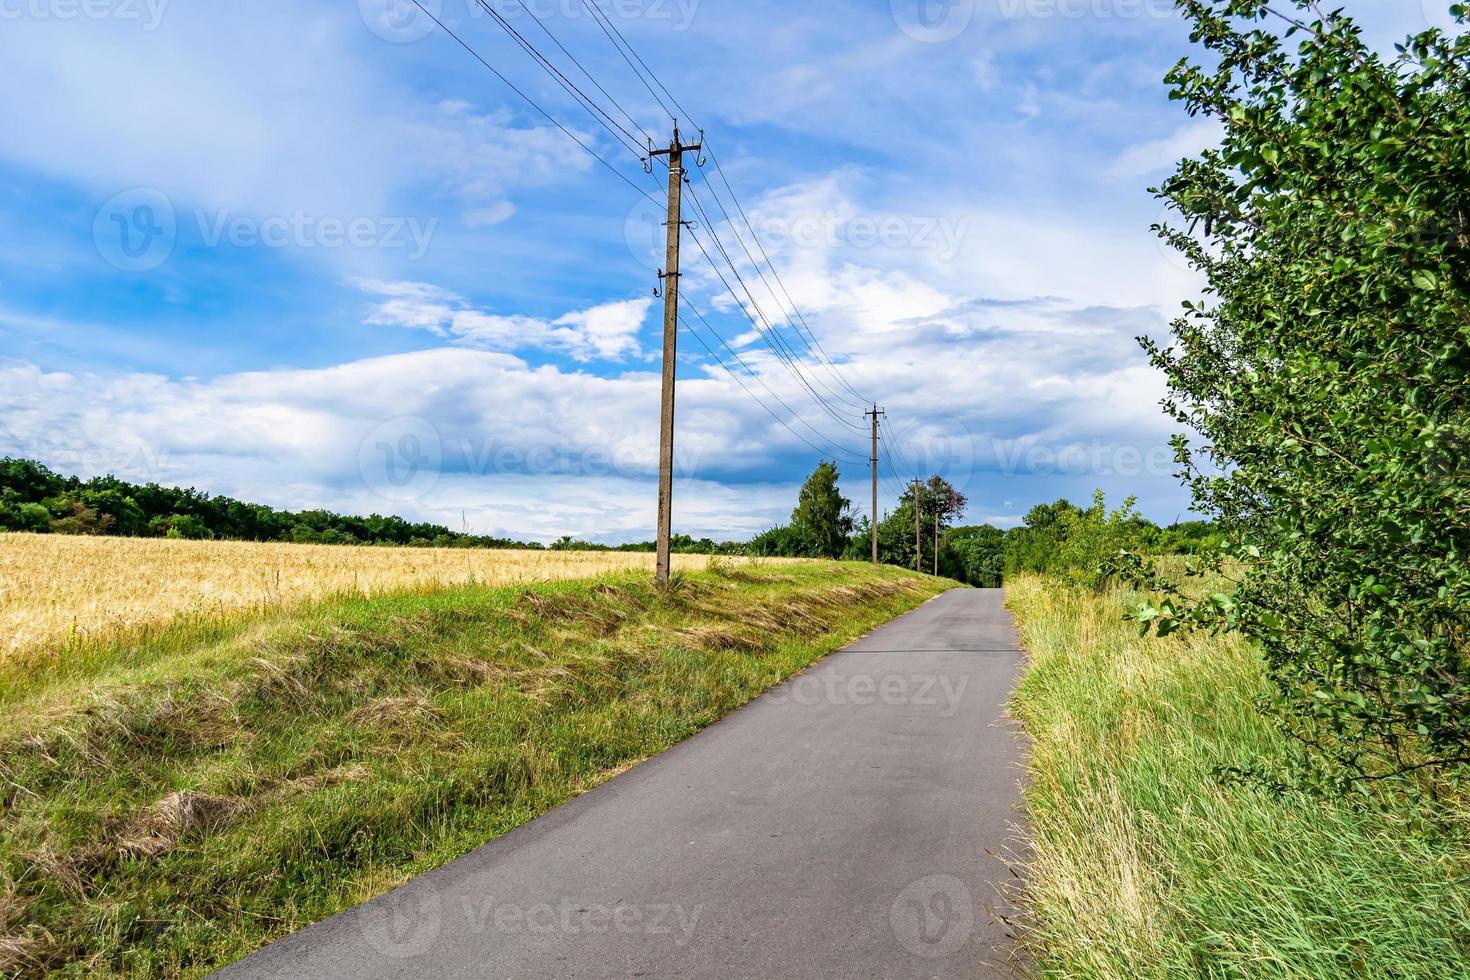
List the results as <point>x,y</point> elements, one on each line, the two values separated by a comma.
<point>1029,107</point>
<point>606,332</point>
<point>609,331</point>
<point>983,71</point>
<point>257,112</point>
<point>527,451</point>
<point>1143,159</point>
<point>488,217</point>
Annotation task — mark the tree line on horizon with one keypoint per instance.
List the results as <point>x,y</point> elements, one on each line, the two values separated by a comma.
<point>1053,537</point>
<point>1058,537</point>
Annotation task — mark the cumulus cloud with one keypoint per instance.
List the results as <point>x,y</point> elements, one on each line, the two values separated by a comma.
<point>974,389</point>
<point>605,332</point>
<point>522,451</point>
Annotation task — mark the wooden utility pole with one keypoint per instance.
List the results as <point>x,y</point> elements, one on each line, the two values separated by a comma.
<point>918,532</point>
<point>873,519</point>
<point>670,278</point>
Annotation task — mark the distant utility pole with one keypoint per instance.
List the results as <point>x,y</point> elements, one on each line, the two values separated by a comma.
<point>670,278</point>
<point>874,518</point>
<point>918,531</point>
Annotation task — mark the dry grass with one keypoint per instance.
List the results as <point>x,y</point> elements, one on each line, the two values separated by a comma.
<point>56,588</point>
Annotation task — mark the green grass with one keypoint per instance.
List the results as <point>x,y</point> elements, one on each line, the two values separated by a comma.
<point>207,789</point>
<point>1146,865</point>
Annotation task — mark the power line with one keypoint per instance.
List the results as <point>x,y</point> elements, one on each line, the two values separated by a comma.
<point>785,360</point>
<point>695,334</point>
<point>605,119</point>
<point>790,356</point>
<point>714,192</point>
<point>754,374</point>
<point>787,293</point>
<point>605,24</point>
<point>772,332</point>
<point>645,138</point>
<point>534,104</point>
<point>896,478</point>
<point>630,55</point>
<point>738,278</point>
<point>903,458</point>
<point>621,42</point>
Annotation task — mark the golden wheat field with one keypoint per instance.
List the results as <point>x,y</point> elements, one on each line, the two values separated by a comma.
<point>57,587</point>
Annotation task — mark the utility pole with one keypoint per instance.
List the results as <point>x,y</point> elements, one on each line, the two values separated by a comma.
<point>874,512</point>
<point>918,532</point>
<point>670,278</point>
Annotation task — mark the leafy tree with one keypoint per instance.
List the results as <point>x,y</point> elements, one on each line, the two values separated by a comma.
<point>1090,538</point>
<point>29,480</point>
<point>975,555</point>
<point>118,510</point>
<point>107,505</point>
<point>1186,538</point>
<point>860,544</point>
<point>77,518</point>
<point>1327,374</point>
<point>822,520</point>
<point>896,538</point>
<point>941,503</point>
<point>1032,547</point>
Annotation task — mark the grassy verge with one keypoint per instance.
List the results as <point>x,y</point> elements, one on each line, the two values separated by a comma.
<point>1146,865</point>
<point>217,788</point>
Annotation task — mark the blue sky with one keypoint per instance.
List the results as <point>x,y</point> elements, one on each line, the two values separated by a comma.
<point>311,253</point>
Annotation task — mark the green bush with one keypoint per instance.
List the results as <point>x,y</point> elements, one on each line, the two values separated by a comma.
<point>1074,544</point>
<point>1328,373</point>
<point>25,517</point>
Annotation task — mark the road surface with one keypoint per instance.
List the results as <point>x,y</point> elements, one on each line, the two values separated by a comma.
<point>849,823</point>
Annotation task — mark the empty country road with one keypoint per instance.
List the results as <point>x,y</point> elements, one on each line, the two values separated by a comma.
<point>848,823</point>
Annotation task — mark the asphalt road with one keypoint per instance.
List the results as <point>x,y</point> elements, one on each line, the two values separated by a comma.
<point>849,823</point>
